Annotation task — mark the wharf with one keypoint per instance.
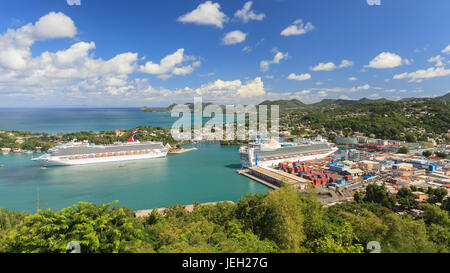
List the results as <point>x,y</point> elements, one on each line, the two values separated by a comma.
<point>182,151</point>
<point>189,208</point>
<point>274,178</point>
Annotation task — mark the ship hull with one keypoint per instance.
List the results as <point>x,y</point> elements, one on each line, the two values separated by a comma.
<point>301,158</point>
<point>60,162</point>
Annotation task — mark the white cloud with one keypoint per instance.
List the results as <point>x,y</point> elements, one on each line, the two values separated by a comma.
<point>300,77</point>
<point>15,44</point>
<point>170,65</point>
<point>247,49</point>
<point>297,28</point>
<point>207,13</point>
<point>74,71</point>
<point>226,89</point>
<point>269,77</point>
<point>353,79</point>
<point>436,59</point>
<point>322,94</point>
<point>246,14</point>
<point>234,37</point>
<point>324,67</point>
<point>54,25</point>
<point>265,65</point>
<point>344,97</point>
<point>446,50</point>
<point>419,75</point>
<point>346,89</point>
<point>408,61</point>
<point>331,66</point>
<point>385,60</point>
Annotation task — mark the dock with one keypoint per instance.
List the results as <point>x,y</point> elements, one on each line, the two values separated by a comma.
<point>182,151</point>
<point>273,178</point>
<point>188,208</point>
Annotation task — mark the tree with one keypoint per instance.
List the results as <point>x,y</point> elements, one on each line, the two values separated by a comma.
<point>101,228</point>
<point>378,194</point>
<point>406,198</point>
<point>427,153</point>
<point>403,150</point>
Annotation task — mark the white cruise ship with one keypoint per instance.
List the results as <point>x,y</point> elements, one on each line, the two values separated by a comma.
<point>78,153</point>
<point>272,152</point>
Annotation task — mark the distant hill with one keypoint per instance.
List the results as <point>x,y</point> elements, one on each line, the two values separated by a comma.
<point>329,102</point>
<point>285,104</point>
<point>295,104</point>
<point>445,97</point>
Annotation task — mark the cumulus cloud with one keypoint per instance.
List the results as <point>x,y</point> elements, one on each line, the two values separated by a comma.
<point>300,77</point>
<point>54,25</point>
<point>265,65</point>
<point>207,13</point>
<point>419,75</point>
<point>437,59</point>
<point>171,65</point>
<point>385,60</point>
<point>297,28</point>
<point>234,37</point>
<point>446,50</point>
<point>353,79</point>
<point>74,71</point>
<point>247,14</point>
<point>331,66</point>
<point>15,44</point>
<point>348,89</point>
<point>220,90</point>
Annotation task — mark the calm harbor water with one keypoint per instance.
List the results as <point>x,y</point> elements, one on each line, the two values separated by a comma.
<point>205,175</point>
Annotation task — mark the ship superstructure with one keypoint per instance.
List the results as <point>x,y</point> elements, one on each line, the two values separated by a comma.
<point>80,153</point>
<point>271,152</point>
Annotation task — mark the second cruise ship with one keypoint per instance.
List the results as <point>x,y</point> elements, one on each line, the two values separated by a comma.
<point>271,152</point>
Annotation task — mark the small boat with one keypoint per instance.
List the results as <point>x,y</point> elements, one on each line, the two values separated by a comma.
<point>43,168</point>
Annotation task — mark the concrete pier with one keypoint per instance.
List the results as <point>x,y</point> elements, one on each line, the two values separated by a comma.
<point>182,151</point>
<point>274,179</point>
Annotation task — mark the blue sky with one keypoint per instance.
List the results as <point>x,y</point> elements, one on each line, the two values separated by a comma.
<point>134,53</point>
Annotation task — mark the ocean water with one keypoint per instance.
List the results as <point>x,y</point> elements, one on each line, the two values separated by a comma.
<point>63,120</point>
<point>205,175</point>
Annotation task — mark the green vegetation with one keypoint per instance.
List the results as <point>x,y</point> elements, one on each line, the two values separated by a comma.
<point>144,133</point>
<point>409,120</point>
<point>44,141</point>
<point>27,140</point>
<point>403,150</point>
<point>279,221</point>
<point>149,109</point>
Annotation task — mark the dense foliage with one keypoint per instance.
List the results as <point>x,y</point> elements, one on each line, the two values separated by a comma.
<point>409,120</point>
<point>279,221</point>
<point>45,141</point>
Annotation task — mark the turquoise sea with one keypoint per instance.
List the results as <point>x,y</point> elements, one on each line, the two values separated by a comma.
<point>63,120</point>
<point>205,175</point>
